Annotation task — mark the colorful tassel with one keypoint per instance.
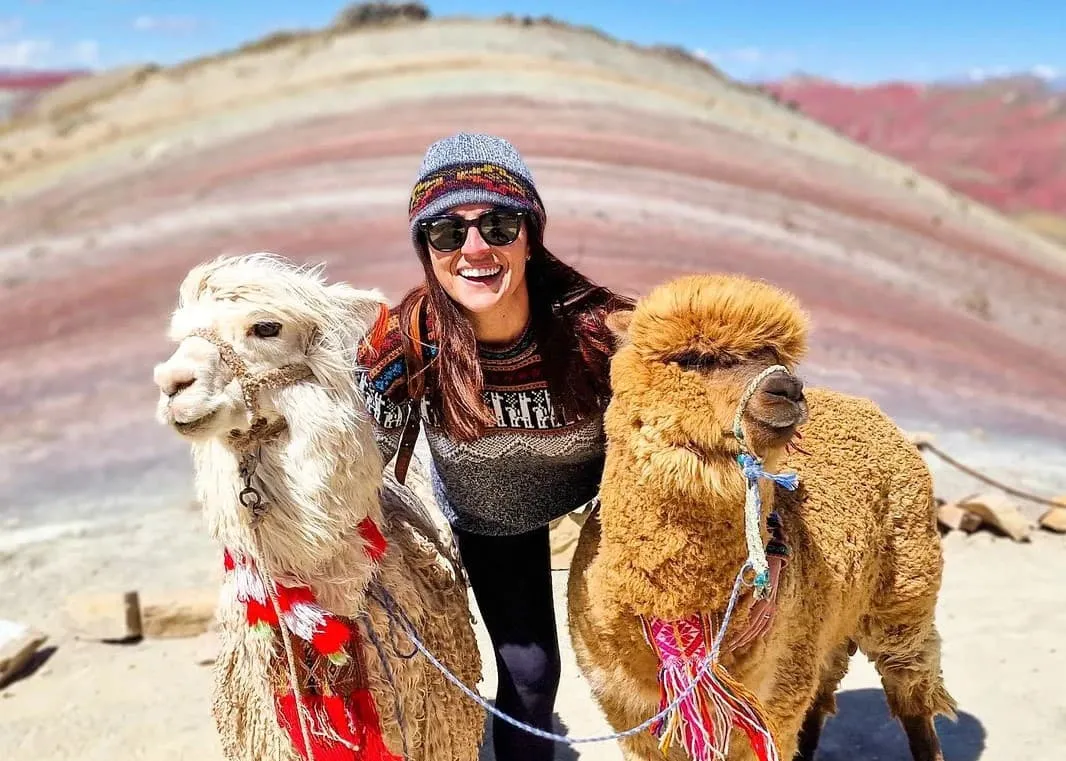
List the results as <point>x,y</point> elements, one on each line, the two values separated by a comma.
<point>703,722</point>
<point>376,543</point>
<point>339,729</point>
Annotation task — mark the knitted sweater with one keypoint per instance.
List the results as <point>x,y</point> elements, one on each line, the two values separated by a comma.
<point>531,466</point>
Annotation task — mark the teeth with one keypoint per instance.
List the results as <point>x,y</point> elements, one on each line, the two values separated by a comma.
<point>480,271</point>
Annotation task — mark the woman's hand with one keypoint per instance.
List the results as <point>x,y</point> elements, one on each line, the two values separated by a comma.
<point>761,613</point>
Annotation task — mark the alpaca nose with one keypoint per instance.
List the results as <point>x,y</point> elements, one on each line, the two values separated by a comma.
<point>785,386</point>
<point>172,380</point>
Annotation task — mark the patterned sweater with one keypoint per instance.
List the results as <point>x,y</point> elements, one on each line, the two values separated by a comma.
<point>531,466</point>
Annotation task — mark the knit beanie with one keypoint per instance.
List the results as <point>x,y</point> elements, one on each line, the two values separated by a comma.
<point>472,168</point>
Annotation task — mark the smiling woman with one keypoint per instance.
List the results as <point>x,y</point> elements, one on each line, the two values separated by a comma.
<point>503,353</point>
<point>484,274</point>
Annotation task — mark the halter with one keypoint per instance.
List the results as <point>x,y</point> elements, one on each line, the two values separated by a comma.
<point>751,465</point>
<point>749,392</point>
<point>261,430</point>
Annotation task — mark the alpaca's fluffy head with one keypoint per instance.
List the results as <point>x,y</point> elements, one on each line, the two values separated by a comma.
<point>273,313</point>
<point>686,355</point>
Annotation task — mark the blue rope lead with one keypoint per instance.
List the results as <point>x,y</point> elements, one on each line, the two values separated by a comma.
<point>753,471</point>
<point>384,599</point>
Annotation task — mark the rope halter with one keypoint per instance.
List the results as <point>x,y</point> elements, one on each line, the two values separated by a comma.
<point>752,467</point>
<point>261,429</point>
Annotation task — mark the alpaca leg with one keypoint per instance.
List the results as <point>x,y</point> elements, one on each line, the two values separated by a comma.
<point>905,649</point>
<point>824,704</point>
<point>900,635</point>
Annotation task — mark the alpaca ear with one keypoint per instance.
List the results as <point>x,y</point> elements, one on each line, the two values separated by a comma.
<point>366,306</point>
<point>618,323</point>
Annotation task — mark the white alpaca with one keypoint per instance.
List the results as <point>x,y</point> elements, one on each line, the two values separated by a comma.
<point>261,385</point>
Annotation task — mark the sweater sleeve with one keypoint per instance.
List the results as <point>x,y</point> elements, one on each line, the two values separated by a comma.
<point>382,379</point>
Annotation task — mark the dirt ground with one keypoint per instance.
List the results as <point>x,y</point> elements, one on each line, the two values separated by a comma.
<point>1003,654</point>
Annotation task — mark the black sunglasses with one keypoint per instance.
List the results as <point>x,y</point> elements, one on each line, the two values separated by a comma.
<point>498,227</point>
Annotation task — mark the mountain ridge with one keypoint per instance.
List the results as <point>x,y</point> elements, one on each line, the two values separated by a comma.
<point>942,310</point>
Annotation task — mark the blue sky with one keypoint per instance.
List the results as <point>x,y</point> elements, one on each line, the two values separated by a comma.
<point>852,40</point>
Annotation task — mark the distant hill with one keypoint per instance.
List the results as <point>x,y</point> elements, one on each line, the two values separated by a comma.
<point>20,87</point>
<point>651,162</point>
<point>1001,141</point>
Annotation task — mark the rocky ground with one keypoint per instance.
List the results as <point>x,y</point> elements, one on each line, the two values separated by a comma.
<point>651,165</point>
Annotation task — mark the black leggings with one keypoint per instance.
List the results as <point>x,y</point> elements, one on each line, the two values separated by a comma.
<point>511,580</point>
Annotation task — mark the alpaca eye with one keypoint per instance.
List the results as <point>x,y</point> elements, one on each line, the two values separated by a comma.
<point>692,360</point>
<point>702,362</point>
<point>266,329</point>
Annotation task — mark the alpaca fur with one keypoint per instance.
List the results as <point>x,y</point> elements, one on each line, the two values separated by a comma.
<point>668,538</point>
<point>321,477</point>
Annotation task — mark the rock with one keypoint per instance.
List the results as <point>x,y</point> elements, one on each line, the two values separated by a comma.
<point>1055,517</point>
<point>18,644</point>
<point>363,14</point>
<point>107,617</point>
<point>178,613</point>
<point>958,518</point>
<point>1000,511</point>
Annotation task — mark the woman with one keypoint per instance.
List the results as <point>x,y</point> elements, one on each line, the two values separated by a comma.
<point>503,353</point>
<point>515,357</point>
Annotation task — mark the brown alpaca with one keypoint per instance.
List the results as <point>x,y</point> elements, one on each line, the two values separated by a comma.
<point>668,539</point>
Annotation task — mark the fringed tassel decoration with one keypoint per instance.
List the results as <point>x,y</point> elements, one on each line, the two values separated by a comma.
<point>375,542</point>
<point>341,727</point>
<point>312,623</point>
<point>703,721</point>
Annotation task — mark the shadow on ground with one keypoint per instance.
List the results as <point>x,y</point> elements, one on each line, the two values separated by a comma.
<point>36,661</point>
<point>864,729</point>
<point>562,752</point>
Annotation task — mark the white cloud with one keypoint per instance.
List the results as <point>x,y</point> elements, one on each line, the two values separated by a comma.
<point>10,26</point>
<point>166,23</point>
<point>1042,71</point>
<point>980,74</point>
<point>46,54</point>
<point>22,53</point>
<point>86,52</point>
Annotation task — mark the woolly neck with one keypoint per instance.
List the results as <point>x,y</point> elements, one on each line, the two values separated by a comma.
<point>686,542</point>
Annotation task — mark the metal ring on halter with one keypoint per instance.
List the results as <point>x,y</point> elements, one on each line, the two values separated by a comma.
<point>250,497</point>
<point>748,581</point>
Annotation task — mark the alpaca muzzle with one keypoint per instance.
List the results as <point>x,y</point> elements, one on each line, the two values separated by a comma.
<point>261,429</point>
<point>773,398</point>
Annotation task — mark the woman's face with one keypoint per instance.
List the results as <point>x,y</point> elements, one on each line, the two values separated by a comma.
<point>482,277</point>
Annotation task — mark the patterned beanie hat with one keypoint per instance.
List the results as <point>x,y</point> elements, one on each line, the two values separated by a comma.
<point>472,168</point>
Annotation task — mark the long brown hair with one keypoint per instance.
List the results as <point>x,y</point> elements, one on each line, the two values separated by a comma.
<point>568,314</point>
